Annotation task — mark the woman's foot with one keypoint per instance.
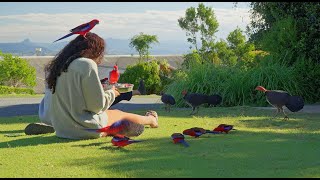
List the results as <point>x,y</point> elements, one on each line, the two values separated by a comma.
<point>38,128</point>
<point>154,114</point>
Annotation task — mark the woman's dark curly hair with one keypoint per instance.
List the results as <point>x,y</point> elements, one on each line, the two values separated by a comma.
<point>92,46</point>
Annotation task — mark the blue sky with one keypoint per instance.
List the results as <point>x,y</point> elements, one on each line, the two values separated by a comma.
<point>47,21</point>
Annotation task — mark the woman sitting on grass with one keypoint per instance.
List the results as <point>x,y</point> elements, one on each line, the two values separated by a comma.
<point>77,100</point>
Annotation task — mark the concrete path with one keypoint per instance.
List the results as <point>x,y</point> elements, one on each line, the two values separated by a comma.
<point>29,106</point>
<point>306,109</point>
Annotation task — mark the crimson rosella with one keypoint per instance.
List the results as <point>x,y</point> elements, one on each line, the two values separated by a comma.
<point>82,29</point>
<point>179,138</point>
<point>197,131</point>
<point>122,127</point>
<point>114,75</point>
<point>223,128</point>
<point>122,141</point>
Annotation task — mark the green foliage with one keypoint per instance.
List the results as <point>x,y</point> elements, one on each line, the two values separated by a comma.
<point>236,38</point>
<point>13,90</point>
<point>190,59</point>
<point>306,17</point>
<point>307,74</point>
<point>142,44</point>
<point>281,40</point>
<point>241,49</point>
<point>16,71</point>
<point>289,32</point>
<point>225,55</point>
<point>148,71</point>
<point>200,23</point>
<point>166,73</point>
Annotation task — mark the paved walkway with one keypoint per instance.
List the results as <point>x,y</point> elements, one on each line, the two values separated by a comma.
<point>29,106</point>
<point>306,109</point>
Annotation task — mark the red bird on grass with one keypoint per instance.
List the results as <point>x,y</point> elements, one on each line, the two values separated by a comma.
<point>224,128</point>
<point>82,29</point>
<point>122,127</point>
<point>197,132</point>
<point>179,138</point>
<point>121,141</point>
<point>114,75</point>
<point>279,98</point>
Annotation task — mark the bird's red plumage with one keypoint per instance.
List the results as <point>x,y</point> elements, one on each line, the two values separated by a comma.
<point>114,75</point>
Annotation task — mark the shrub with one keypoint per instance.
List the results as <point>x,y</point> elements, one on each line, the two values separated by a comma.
<point>307,73</point>
<point>16,71</point>
<point>148,71</point>
<point>13,90</point>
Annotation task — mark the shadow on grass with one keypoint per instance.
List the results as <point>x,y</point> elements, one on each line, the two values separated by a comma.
<point>218,112</point>
<point>12,132</point>
<point>33,140</point>
<point>238,154</point>
<point>19,119</point>
<point>270,152</point>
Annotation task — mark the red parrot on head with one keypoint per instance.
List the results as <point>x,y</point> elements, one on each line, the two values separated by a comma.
<point>82,29</point>
<point>114,75</point>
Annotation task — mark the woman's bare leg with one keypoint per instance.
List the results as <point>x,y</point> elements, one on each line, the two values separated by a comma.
<point>117,115</point>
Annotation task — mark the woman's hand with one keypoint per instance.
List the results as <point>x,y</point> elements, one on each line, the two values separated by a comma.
<point>116,91</point>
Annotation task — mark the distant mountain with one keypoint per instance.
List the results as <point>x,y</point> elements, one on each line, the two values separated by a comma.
<point>113,47</point>
<point>26,47</point>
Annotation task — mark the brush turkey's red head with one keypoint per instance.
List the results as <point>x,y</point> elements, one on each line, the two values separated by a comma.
<point>260,88</point>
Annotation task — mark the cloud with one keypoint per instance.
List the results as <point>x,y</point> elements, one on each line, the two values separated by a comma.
<point>41,27</point>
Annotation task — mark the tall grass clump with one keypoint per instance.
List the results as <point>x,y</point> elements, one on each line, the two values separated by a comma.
<point>235,85</point>
<point>307,73</point>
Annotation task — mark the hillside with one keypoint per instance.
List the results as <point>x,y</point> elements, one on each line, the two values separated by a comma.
<point>113,47</point>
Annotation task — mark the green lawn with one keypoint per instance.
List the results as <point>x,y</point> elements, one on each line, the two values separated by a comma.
<point>260,147</point>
